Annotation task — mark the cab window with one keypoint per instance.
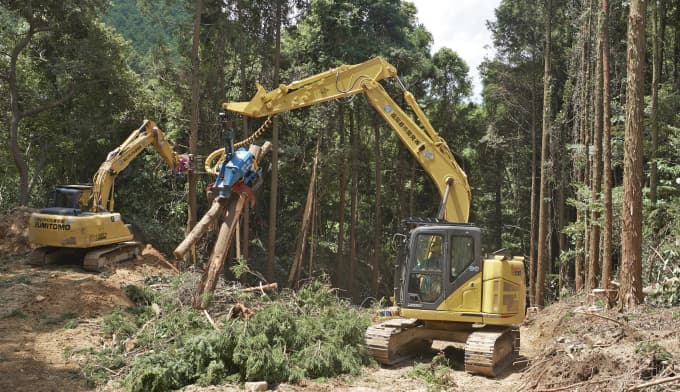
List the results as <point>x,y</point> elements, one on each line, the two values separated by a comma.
<point>462,254</point>
<point>425,279</point>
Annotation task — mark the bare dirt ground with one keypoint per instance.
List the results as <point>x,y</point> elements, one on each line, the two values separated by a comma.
<point>572,345</point>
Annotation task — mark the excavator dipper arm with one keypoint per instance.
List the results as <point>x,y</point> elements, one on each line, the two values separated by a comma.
<point>117,160</point>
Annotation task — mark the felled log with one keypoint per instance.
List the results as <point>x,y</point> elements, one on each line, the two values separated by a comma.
<point>262,287</point>
<point>216,210</point>
<point>215,264</point>
<point>232,210</point>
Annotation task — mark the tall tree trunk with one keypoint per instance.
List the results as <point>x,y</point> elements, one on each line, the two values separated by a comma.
<point>412,189</point>
<point>534,196</point>
<point>543,229</point>
<point>631,215</point>
<point>662,39</point>
<point>584,140</point>
<point>588,122</point>
<point>15,116</point>
<point>16,113</point>
<point>307,219</point>
<point>354,209</point>
<point>377,246</point>
<point>245,131</point>
<point>656,70</point>
<point>498,204</point>
<point>274,192</point>
<point>341,263</point>
<point>606,151</point>
<point>676,50</point>
<point>596,179</point>
<point>195,117</point>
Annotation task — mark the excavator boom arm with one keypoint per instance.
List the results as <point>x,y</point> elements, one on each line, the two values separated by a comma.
<point>425,144</point>
<point>340,82</point>
<point>120,158</point>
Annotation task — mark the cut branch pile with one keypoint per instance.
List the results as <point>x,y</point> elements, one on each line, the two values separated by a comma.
<point>285,336</point>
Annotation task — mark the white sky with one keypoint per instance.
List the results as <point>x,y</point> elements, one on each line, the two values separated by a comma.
<point>461,26</point>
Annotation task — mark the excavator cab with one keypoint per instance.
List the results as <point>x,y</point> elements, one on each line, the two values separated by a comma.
<point>68,200</point>
<point>440,259</point>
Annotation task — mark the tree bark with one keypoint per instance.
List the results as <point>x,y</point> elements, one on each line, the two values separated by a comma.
<point>606,151</point>
<point>630,291</point>
<point>207,220</point>
<point>656,70</point>
<point>596,179</point>
<point>195,116</point>
<point>377,228</point>
<point>498,204</point>
<point>543,232</point>
<point>341,263</point>
<point>676,51</point>
<point>16,114</point>
<point>296,265</point>
<point>215,263</point>
<point>354,216</point>
<point>242,63</point>
<point>274,192</point>
<point>534,197</point>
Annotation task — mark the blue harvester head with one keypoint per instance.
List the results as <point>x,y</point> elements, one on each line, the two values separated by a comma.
<point>240,166</point>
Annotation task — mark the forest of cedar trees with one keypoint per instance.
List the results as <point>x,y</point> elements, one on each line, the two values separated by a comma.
<point>572,150</point>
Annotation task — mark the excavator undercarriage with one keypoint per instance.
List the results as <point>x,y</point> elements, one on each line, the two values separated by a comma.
<point>488,350</point>
<point>96,259</point>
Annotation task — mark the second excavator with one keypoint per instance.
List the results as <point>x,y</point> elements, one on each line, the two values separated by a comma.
<point>80,222</point>
<point>444,287</point>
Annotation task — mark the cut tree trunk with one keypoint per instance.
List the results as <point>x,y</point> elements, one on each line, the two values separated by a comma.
<point>232,210</point>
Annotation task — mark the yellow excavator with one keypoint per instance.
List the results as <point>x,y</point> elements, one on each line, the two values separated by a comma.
<point>445,289</point>
<point>80,223</point>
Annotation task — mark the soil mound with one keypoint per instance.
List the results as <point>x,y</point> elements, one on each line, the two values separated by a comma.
<point>590,348</point>
<point>14,231</point>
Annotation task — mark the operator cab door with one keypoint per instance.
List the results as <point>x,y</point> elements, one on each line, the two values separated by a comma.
<point>431,277</point>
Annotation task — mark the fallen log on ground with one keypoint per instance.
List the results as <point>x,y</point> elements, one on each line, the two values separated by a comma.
<point>262,287</point>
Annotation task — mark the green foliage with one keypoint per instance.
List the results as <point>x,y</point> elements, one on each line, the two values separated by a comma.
<point>119,323</point>
<point>667,292</point>
<point>141,296</point>
<point>102,362</point>
<point>158,372</point>
<point>437,374</point>
<point>17,313</point>
<point>69,318</point>
<point>299,335</point>
<point>148,25</point>
<point>654,349</point>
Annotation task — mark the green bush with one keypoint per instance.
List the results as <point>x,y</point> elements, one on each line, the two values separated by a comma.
<point>306,334</point>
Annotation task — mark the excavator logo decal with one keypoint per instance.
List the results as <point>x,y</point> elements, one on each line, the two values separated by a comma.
<point>52,225</point>
<point>401,124</point>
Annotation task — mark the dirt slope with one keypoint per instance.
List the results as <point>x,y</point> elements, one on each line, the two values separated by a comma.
<point>47,312</point>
